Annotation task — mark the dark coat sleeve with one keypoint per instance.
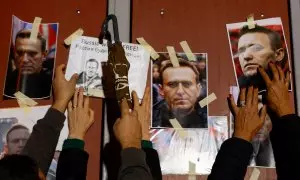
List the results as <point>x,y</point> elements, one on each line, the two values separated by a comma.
<point>285,138</point>
<point>232,160</point>
<point>134,166</point>
<point>44,137</point>
<point>72,164</point>
<point>152,160</point>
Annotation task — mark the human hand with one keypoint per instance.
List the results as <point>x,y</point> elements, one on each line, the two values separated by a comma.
<point>143,111</point>
<point>277,90</point>
<point>247,121</point>
<point>80,116</point>
<point>63,90</point>
<point>127,129</point>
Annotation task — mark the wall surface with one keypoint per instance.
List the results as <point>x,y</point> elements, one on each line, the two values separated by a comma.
<point>203,25</point>
<point>92,13</point>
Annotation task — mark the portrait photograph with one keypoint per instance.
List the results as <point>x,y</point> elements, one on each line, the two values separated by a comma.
<point>176,91</point>
<point>199,146</point>
<point>257,47</point>
<point>31,61</point>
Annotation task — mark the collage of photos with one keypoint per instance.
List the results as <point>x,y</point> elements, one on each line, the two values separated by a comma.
<point>253,48</point>
<point>31,62</point>
<point>177,91</point>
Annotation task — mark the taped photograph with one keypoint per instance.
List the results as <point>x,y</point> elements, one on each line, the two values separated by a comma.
<point>176,92</point>
<point>256,47</point>
<point>15,128</point>
<point>199,146</point>
<point>86,57</point>
<point>31,62</point>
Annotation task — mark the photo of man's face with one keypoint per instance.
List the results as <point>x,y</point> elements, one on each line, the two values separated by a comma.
<point>91,69</point>
<point>28,55</point>
<point>180,89</point>
<point>16,140</point>
<point>254,50</point>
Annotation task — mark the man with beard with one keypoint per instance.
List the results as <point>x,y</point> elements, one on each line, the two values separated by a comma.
<point>180,89</point>
<point>28,74</point>
<point>256,48</point>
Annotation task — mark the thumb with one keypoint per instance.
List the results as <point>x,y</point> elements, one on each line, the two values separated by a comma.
<point>73,79</point>
<point>263,113</point>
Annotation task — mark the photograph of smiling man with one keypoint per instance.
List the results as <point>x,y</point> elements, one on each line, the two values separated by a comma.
<point>251,48</point>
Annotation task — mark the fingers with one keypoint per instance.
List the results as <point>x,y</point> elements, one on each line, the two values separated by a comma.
<point>265,76</point>
<point>287,79</point>
<point>255,97</point>
<point>124,107</point>
<point>281,74</point>
<point>249,96</point>
<point>263,113</point>
<point>242,95</point>
<point>86,104</point>
<point>80,98</point>
<point>135,100</point>
<point>75,97</point>
<point>70,107</point>
<point>91,115</point>
<point>147,96</point>
<point>73,79</point>
<point>232,106</point>
<point>274,71</point>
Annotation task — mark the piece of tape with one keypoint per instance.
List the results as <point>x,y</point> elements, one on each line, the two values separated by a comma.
<point>35,28</point>
<point>250,21</point>
<point>73,36</point>
<point>25,107</point>
<point>25,99</point>
<point>255,174</point>
<point>178,127</point>
<point>192,171</point>
<point>173,56</point>
<point>204,102</point>
<point>95,92</point>
<point>154,55</point>
<point>187,50</point>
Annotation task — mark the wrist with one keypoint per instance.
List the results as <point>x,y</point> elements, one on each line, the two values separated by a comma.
<point>146,136</point>
<point>245,137</point>
<point>131,145</point>
<point>76,136</point>
<point>60,106</point>
<point>284,111</point>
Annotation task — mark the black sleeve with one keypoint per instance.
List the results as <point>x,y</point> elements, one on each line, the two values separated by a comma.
<point>134,166</point>
<point>285,138</point>
<point>152,160</point>
<point>232,160</point>
<point>72,164</point>
<point>44,137</point>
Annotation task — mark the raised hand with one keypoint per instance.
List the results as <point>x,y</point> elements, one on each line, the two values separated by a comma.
<point>80,116</point>
<point>127,129</point>
<point>247,120</point>
<point>63,90</point>
<point>277,90</point>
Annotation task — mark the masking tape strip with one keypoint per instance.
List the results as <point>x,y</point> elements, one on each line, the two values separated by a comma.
<point>250,21</point>
<point>35,28</point>
<point>149,48</point>
<point>255,174</point>
<point>95,92</point>
<point>204,102</point>
<point>187,50</point>
<point>25,107</point>
<point>73,36</point>
<point>192,171</point>
<point>178,127</point>
<point>24,99</point>
<point>173,56</point>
